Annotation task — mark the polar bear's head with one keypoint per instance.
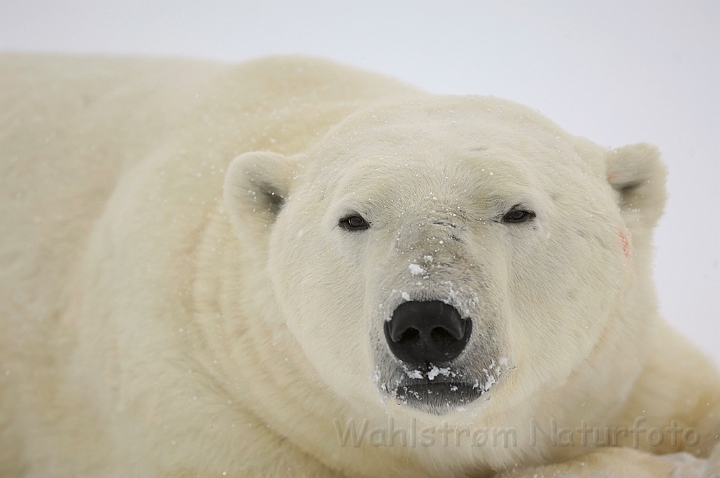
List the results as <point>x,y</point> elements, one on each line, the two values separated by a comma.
<point>436,253</point>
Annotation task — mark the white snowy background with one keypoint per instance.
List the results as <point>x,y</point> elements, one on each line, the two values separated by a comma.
<point>616,72</point>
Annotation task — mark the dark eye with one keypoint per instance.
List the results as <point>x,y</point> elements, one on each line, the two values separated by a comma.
<point>354,222</point>
<point>516,216</point>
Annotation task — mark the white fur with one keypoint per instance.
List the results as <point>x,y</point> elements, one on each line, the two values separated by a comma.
<point>168,310</point>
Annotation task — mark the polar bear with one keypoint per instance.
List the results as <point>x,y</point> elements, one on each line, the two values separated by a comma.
<point>294,268</point>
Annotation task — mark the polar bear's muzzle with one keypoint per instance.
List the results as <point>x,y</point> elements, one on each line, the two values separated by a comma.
<point>431,373</point>
<point>427,332</point>
<point>436,344</point>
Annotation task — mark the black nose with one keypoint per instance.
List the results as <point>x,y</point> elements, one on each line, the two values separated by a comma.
<point>427,332</point>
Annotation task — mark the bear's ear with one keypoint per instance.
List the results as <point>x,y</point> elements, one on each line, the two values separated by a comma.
<point>256,186</point>
<point>638,175</point>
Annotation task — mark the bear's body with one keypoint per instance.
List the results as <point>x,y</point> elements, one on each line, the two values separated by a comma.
<point>167,311</point>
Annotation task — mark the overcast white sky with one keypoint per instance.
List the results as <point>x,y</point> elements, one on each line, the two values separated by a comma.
<point>616,72</point>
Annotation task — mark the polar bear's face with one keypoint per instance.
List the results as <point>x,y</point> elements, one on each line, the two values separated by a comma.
<point>434,255</point>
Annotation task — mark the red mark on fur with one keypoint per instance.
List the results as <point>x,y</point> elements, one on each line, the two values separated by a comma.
<point>624,233</point>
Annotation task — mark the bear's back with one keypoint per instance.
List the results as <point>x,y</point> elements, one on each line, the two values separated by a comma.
<point>70,127</point>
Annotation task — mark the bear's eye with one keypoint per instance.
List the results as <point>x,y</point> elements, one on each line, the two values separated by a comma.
<point>354,222</point>
<point>515,216</point>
